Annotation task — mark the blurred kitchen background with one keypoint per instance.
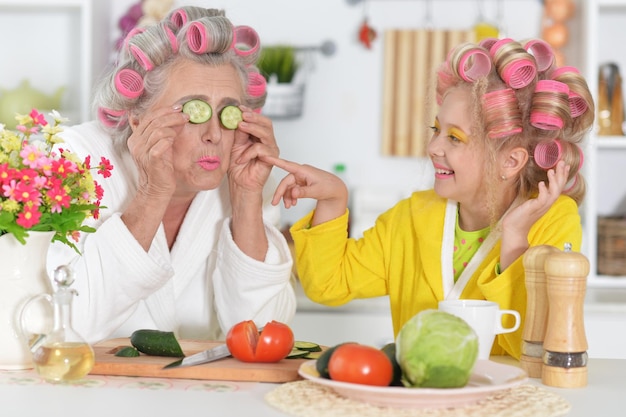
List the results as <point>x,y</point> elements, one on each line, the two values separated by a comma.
<point>337,114</point>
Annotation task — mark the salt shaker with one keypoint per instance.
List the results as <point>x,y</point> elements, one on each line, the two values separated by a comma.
<point>565,344</point>
<point>537,309</point>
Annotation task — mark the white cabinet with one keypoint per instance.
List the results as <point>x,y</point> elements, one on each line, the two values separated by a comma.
<point>55,44</point>
<point>605,156</point>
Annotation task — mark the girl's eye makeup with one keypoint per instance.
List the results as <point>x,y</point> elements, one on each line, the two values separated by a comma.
<point>457,134</point>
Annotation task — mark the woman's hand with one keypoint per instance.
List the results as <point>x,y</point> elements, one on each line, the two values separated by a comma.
<point>247,175</point>
<point>150,145</point>
<point>306,181</point>
<point>517,223</point>
<point>254,138</point>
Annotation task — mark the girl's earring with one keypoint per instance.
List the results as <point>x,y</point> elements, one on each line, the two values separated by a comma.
<point>503,177</point>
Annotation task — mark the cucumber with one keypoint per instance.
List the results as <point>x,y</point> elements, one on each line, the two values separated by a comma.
<point>199,111</point>
<point>230,116</point>
<point>156,343</point>
<point>297,354</point>
<point>127,352</point>
<point>308,346</point>
<point>322,362</point>
<point>390,350</point>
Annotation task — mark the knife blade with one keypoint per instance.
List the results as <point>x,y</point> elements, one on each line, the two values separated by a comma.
<point>205,356</point>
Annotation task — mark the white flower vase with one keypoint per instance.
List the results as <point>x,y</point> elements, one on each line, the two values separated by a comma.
<point>22,276</point>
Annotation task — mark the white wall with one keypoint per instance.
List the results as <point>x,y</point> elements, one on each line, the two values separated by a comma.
<point>341,120</point>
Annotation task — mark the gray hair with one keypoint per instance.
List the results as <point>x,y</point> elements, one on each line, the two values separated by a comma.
<point>149,53</point>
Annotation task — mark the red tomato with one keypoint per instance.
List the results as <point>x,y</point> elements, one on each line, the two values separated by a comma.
<point>272,344</point>
<point>360,364</point>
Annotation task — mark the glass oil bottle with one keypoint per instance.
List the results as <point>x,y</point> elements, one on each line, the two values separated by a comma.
<point>62,355</point>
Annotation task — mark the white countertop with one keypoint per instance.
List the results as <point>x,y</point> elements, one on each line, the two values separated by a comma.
<point>23,394</point>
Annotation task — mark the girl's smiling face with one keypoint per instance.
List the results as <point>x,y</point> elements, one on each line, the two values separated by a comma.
<point>458,158</point>
<point>201,152</point>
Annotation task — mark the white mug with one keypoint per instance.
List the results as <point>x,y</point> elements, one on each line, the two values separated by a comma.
<point>485,317</point>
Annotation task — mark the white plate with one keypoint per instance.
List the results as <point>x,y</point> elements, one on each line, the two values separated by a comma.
<point>487,378</point>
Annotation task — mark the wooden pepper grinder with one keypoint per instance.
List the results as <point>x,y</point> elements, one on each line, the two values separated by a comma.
<point>565,345</point>
<point>537,309</point>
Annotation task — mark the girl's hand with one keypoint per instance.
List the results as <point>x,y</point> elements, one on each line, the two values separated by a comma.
<point>517,223</point>
<point>306,181</point>
<point>150,145</point>
<point>254,138</point>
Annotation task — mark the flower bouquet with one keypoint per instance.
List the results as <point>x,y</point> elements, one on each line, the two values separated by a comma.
<point>44,189</point>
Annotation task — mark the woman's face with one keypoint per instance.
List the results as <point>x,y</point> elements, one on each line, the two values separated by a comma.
<point>457,157</point>
<point>201,152</point>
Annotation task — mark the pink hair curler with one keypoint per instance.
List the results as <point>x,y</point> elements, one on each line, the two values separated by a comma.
<point>172,38</point>
<point>256,84</point>
<point>197,38</point>
<point>133,32</point>
<point>474,64</point>
<point>141,58</point>
<point>551,86</point>
<point>129,83</point>
<point>500,122</point>
<point>487,43</point>
<point>245,40</point>
<point>547,154</point>
<point>109,117</point>
<point>518,73</point>
<point>540,118</point>
<point>542,52</point>
<point>179,18</point>
<point>563,70</point>
<point>577,104</point>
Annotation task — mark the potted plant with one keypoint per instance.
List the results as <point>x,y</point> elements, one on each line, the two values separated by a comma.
<point>285,91</point>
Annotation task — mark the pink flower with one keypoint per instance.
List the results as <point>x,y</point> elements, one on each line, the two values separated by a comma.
<point>9,189</point>
<point>63,167</point>
<point>29,217</point>
<point>59,199</point>
<point>105,167</point>
<point>31,156</point>
<point>25,193</point>
<point>38,118</point>
<point>24,129</point>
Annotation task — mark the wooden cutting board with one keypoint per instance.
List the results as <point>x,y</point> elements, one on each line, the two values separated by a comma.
<point>227,369</point>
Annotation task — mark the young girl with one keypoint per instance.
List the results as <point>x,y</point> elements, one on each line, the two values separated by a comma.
<point>507,177</point>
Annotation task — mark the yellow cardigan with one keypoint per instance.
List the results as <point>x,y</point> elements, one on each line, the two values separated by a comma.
<point>400,256</point>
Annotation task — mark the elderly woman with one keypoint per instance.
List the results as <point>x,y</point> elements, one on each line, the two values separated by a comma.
<point>187,238</point>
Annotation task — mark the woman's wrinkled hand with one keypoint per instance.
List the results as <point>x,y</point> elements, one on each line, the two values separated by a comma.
<point>254,139</point>
<point>150,145</point>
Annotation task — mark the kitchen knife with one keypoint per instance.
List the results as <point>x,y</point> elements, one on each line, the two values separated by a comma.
<point>205,356</point>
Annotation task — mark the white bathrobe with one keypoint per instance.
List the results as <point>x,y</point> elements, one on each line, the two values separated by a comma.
<point>199,289</point>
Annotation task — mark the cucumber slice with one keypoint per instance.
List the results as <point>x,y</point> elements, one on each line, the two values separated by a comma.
<point>308,346</point>
<point>230,116</point>
<point>127,352</point>
<point>297,354</point>
<point>199,111</point>
<point>313,355</point>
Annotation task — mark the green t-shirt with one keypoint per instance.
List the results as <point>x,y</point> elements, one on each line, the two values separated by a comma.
<point>465,246</point>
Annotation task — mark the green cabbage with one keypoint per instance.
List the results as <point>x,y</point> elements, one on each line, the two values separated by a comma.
<point>436,349</point>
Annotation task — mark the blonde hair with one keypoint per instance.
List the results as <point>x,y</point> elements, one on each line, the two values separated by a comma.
<point>521,99</point>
